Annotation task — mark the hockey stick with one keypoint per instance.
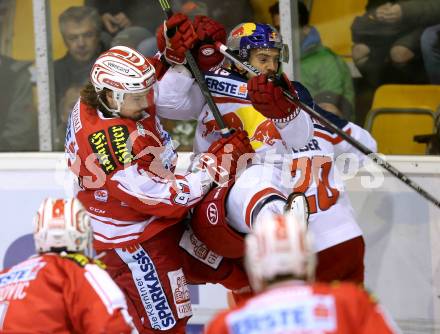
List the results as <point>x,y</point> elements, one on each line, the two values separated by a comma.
<point>376,158</point>
<point>198,75</point>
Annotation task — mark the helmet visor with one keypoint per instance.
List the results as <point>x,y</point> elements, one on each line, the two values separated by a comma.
<point>141,100</point>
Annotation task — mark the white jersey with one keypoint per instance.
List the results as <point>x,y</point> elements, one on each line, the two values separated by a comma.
<point>307,163</point>
<point>332,218</point>
<point>229,90</point>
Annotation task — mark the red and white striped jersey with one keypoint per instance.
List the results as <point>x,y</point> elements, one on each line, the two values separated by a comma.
<point>54,294</point>
<point>125,171</point>
<point>297,308</point>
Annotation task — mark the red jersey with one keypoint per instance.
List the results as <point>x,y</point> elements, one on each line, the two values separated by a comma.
<point>55,294</point>
<point>126,179</point>
<point>297,308</point>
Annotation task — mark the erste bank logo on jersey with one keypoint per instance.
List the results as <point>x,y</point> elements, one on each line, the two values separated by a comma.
<point>14,282</point>
<point>228,87</point>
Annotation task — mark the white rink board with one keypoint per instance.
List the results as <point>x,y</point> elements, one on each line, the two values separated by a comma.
<point>402,231</point>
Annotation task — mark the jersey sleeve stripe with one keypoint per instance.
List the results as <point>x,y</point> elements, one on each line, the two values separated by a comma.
<point>333,140</point>
<point>256,199</point>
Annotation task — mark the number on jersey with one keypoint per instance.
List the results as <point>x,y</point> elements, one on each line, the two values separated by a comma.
<point>317,169</point>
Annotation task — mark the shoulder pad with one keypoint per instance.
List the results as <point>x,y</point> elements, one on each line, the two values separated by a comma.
<point>82,260</point>
<point>226,72</point>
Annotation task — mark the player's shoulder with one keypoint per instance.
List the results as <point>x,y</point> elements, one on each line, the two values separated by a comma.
<point>350,290</point>
<point>226,72</point>
<point>82,260</point>
<point>226,82</point>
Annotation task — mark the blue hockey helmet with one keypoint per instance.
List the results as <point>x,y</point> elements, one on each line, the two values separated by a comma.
<point>248,35</point>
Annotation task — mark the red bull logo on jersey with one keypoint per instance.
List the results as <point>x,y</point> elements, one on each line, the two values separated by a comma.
<point>245,29</point>
<point>266,133</point>
<point>210,126</point>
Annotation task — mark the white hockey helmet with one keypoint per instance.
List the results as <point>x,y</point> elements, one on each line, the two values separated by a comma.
<point>123,71</point>
<point>62,225</point>
<point>278,246</point>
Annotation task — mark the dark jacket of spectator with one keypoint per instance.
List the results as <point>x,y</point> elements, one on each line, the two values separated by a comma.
<point>18,126</point>
<point>414,12</point>
<point>142,13</point>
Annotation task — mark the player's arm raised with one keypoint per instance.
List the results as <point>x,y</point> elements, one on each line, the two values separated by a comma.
<point>294,125</point>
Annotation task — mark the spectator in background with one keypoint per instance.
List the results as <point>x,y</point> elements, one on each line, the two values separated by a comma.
<point>118,15</point>
<point>281,266</point>
<point>228,12</point>
<point>389,34</point>
<point>133,37</point>
<point>80,27</point>
<point>430,44</point>
<point>324,73</point>
<point>18,126</point>
<point>194,8</point>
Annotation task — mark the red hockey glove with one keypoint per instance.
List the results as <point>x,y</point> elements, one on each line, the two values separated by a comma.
<point>209,30</point>
<point>269,100</point>
<point>174,37</point>
<point>208,58</point>
<point>222,159</point>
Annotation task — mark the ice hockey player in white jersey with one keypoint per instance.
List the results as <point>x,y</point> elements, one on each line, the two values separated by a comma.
<point>275,125</point>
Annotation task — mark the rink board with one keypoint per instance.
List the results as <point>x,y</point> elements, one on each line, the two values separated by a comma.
<point>401,230</point>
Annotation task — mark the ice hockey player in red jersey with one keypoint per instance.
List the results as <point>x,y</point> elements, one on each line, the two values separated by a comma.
<point>281,265</point>
<point>61,290</point>
<point>125,165</point>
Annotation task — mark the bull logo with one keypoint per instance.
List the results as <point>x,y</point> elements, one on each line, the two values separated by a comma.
<point>266,133</point>
<point>245,29</point>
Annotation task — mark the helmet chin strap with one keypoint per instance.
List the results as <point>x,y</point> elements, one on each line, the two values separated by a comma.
<point>118,98</point>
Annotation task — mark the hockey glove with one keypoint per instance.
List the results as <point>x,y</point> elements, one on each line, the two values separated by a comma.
<point>208,58</point>
<point>267,97</point>
<point>174,37</point>
<point>209,30</point>
<point>222,161</point>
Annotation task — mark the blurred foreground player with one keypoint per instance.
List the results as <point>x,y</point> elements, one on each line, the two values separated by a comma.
<point>281,266</point>
<point>61,290</point>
